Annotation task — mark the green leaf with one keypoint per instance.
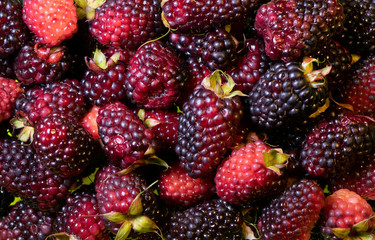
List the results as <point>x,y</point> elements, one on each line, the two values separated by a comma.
<point>144,224</point>
<point>115,217</point>
<point>124,230</point>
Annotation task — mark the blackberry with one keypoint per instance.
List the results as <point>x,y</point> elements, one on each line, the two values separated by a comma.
<point>286,94</point>
<point>358,34</point>
<point>207,126</point>
<point>125,138</point>
<point>214,219</point>
<point>13,31</point>
<point>63,145</point>
<point>155,76</point>
<point>333,146</point>
<point>26,222</point>
<point>37,64</point>
<point>202,16</point>
<point>116,192</point>
<point>22,174</point>
<point>216,49</point>
<point>293,214</point>
<point>79,217</point>
<point>103,81</point>
<point>292,29</point>
<point>127,24</point>
<point>64,97</point>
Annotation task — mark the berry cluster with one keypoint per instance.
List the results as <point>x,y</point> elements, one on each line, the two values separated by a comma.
<point>180,119</point>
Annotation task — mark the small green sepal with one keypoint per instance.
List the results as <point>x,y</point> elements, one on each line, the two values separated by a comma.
<point>27,132</point>
<point>62,236</point>
<point>275,159</point>
<point>340,232</point>
<point>115,217</point>
<point>136,207</point>
<point>154,160</point>
<point>144,224</point>
<point>124,230</point>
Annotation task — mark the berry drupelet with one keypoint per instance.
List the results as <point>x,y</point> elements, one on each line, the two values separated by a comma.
<point>10,90</point>
<point>155,76</point>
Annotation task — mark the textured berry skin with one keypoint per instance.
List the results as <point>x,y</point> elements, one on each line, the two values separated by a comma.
<point>283,95</point>
<point>22,174</point>
<point>217,48</point>
<point>78,217</point>
<point>293,214</point>
<point>359,179</point>
<point>214,219</point>
<point>25,222</point>
<point>292,28</point>
<point>116,192</point>
<point>13,32</point>
<point>164,125</point>
<point>206,130</point>
<point>201,16</point>
<point>102,86</point>
<point>358,34</point>
<point>333,146</point>
<point>343,209</point>
<point>359,91</point>
<point>127,24</point>
<point>64,97</point>
<point>252,63</point>
<point>243,176</point>
<point>89,122</point>
<point>31,68</point>
<point>177,188</point>
<point>155,76</point>
<point>61,15</point>
<point>125,138</point>
<point>63,145</point>
<point>10,90</point>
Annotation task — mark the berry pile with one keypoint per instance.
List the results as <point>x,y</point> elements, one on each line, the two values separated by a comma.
<point>180,119</point>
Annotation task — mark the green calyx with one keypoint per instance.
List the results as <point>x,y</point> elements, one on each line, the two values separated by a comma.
<point>27,132</point>
<point>359,231</point>
<point>275,159</point>
<point>213,82</point>
<point>316,78</point>
<point>62,236</point>
<point>99,62</point>
<point>86,8</point>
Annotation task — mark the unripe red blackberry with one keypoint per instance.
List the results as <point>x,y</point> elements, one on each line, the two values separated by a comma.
<point>125,138</point>
<point>127,24</point>
<point>155,76</point>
